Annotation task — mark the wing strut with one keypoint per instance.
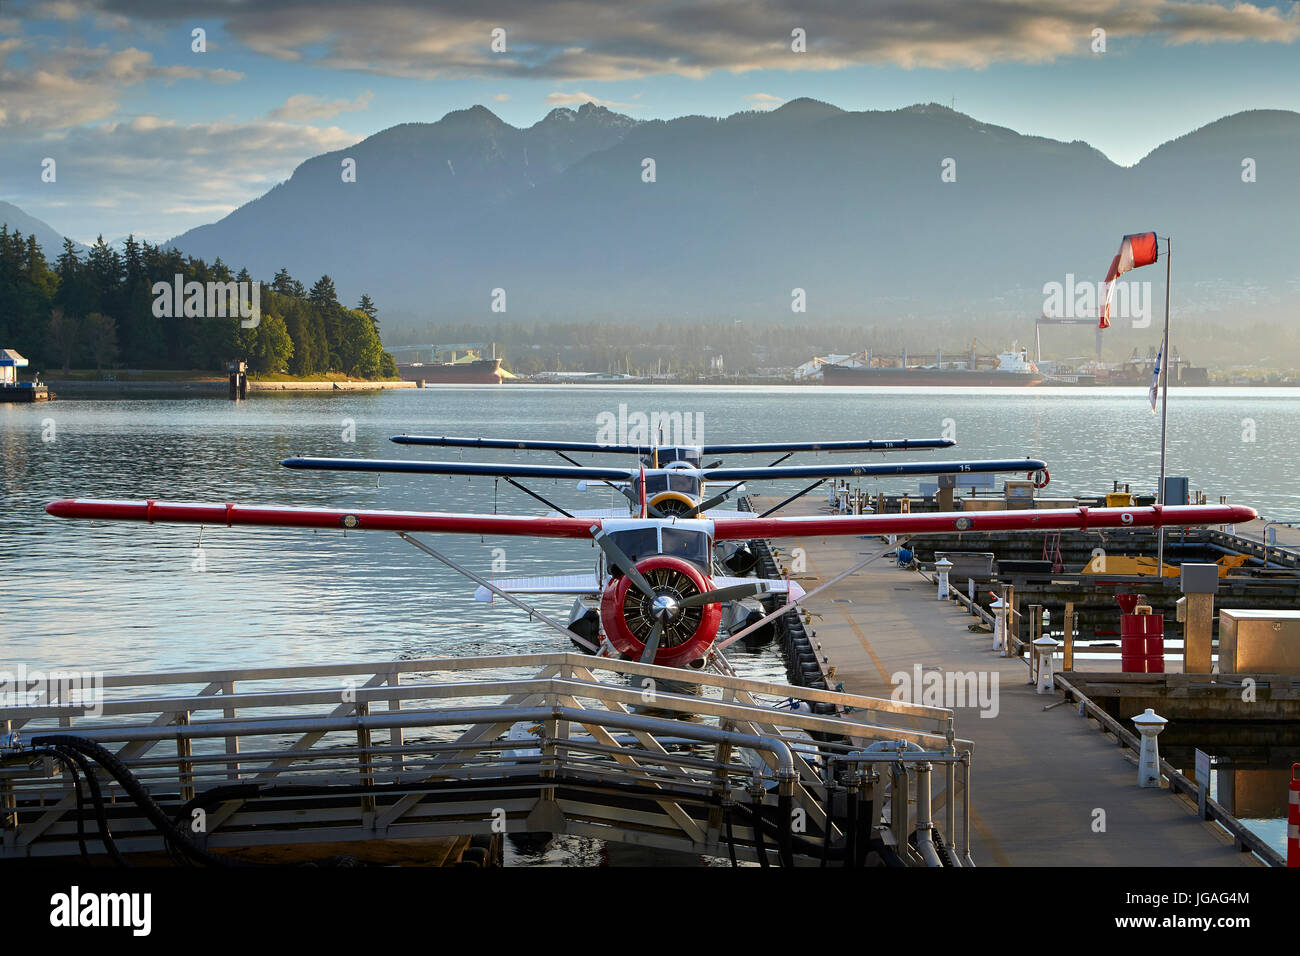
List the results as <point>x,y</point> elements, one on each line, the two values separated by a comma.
<point>793,497</point>
<point>483,582</point>
<point>799,600</point>
<point>550,504</point>
<point>625,492</point>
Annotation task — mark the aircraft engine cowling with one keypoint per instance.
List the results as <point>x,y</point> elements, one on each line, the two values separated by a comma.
<point>628,617</point>
<point>672,504</point>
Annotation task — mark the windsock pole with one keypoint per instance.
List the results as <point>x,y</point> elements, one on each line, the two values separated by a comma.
<point>1164,408</point>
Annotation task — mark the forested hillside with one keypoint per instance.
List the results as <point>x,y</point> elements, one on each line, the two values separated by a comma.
<point>100,310</point>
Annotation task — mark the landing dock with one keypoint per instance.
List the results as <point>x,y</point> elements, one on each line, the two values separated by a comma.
<point>1050,789</point>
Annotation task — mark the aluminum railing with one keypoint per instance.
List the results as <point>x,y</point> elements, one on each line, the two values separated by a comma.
<point>420,748</point>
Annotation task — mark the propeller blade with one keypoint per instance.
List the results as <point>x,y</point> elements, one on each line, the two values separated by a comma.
<point>624,563</point>
<point>632,496</point>
<point>652,641</point>
<point>721,595</point>
<point>706,505</point>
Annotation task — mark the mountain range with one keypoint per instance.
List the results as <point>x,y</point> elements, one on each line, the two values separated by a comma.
<point>49,238</point>
<point>850,207</point>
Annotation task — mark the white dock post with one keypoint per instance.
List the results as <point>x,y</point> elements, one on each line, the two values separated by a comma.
<point>1149,725</point>
<point>943,566</point>
<point>998,607</point>
<point>1045,649</point>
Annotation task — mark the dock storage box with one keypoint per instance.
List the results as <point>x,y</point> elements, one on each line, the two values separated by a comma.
<point>1259,641</point>
<point>968,565</point>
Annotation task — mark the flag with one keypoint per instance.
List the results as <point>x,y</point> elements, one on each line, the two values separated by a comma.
<point>1136,250</point>
<point>1155,378</point>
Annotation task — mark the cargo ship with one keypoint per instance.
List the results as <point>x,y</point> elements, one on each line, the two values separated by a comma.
<point>472,368</point>
<point>1013,368</point>
<point>472,372</point>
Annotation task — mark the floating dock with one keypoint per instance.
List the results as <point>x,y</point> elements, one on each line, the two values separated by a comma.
<point>1051,789</point>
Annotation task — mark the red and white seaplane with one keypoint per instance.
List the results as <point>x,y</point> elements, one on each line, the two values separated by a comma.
<point>659,599</point>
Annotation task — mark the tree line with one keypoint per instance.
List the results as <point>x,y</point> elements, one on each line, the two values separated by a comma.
<point>101,309</point>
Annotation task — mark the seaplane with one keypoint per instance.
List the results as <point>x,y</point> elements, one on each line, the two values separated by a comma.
<point>672,485</point>
<point>659,600</point>
<point>676,491</point>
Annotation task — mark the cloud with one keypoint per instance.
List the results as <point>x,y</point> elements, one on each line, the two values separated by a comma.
<point>592,40</point>
<point>764,101</point>
<point>159,177</point>
<point>303,108</point>
<point>501,97</point>
<point>59,89</point>
<point>56,10</point>
<point>568,99</point>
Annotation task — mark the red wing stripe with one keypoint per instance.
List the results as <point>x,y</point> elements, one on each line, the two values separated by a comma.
<point>231,514</point>
<point>1055,519</point>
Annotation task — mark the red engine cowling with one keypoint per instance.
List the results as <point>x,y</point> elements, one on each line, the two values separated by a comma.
<point>626,615</point>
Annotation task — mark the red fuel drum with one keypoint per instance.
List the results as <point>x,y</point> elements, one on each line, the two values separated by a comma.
<point>1142,643</point>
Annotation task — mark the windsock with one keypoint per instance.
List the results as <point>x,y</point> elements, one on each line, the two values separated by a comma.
<point>1136,250</point>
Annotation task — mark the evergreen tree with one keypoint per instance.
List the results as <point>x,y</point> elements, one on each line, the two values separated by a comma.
<point>370,310</point>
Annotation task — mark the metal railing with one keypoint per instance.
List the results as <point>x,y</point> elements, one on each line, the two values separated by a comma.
<point>415,749</point>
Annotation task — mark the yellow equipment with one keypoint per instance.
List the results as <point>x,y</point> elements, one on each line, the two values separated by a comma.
<point>1127,564</point>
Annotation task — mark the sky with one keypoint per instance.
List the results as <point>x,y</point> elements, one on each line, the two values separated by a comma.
<point>152,135</point>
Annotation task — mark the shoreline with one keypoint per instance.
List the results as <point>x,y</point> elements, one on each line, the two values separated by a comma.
<point>212,386</point>
<point>221,386</point>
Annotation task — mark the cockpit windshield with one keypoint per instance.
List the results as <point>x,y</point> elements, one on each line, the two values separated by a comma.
<point>636,543</point>
<point>672,453</point>
<point>684,484</point>
<point>691,545</point>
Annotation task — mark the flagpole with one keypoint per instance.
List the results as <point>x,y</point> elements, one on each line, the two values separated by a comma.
<point>1164,407</point>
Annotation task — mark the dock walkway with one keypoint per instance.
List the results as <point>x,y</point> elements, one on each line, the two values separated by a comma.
<point>1042,780</point>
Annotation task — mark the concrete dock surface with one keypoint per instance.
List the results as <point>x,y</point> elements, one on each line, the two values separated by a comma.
<point>1048,787</point>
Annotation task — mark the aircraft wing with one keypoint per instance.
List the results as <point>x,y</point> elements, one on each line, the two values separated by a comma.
<point>946,522</point>
<point>779,472</point>
<point>738,448</point>
<point>598,473</point>
<point>466,468</point>
<point>595,514</point>
<point>724,529</point>
<point>554,584</point>
<point>875,444</point>
<point>270,516</point>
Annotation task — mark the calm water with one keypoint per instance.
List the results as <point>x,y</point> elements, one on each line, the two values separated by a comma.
<point>126,598</point>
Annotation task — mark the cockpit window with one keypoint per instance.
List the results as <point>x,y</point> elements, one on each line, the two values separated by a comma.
<point>689,455</point>
<point>687,484</point>
<point>691,545</point>
<point>636,543</point>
